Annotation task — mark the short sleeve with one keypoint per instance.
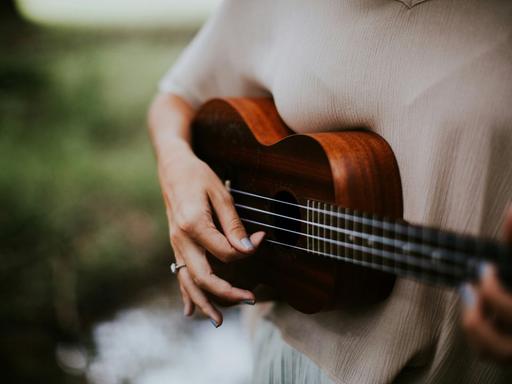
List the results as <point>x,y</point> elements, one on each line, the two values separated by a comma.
<point>215,63</point>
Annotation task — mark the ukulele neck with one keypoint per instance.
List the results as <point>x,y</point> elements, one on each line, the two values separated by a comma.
<point>393,246</point>
<point>423,253</point>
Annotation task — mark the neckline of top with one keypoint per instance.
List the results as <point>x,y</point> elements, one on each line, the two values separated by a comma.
<point>411,3</point>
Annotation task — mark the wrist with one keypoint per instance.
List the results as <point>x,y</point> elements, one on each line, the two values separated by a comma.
<point>171,150</point>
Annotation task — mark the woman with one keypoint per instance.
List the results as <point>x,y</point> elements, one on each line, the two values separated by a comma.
<point>434,78</point>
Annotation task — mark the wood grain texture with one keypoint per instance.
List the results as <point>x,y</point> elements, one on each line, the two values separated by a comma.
<point>245,141</point>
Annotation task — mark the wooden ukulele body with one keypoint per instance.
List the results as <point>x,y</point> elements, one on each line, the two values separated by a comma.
<point>245,141</point>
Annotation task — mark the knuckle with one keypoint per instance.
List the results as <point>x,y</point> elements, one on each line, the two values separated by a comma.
<point>186,224</point>
<point>201,302</point>
<point>225,292</point>
<point>173,235</point>
<point>201,281</point>
<point>235,224</point>
<point>227,199</point>
<point>204,306</point>
<point>187,221</point>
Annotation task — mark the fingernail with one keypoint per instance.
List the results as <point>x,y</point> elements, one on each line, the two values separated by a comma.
<point>248,302</point>
<point>483,269</point>
<point>468,295</point>
<point>247,243</point>
<point>214,323</point>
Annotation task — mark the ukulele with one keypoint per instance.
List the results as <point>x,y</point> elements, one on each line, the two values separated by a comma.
<point>331,205</point>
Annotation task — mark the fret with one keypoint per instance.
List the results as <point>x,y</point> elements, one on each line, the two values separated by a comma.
<point>321,228</point>
<point>338,225</point>
<point>376,232</point>
<point>447,240</point>
<point>318,228</point>
<point>469,243</point>
<point>331,232</point>
<point>460,243</point>
<point>444,239</point>
<point>399,239</point>
<point>407,250</point>
<point>315,228</point>
<point>428,247</point>
<point>356,240</point>
<point>308,225</point>
<point>348,225</point>
<point>366,228</point>
<point>321,221</point>
<point>329,229</point>
<point>324,230</point>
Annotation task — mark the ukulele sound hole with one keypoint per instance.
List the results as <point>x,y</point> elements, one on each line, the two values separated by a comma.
<point>286,221</point>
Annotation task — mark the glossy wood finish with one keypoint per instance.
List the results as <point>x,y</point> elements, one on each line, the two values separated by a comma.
<point>245,141</point>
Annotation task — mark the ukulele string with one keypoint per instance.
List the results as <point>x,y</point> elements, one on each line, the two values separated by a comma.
<point>389,226</point>
<point>449,278</point>
<point>412,261</point>
<point>470,249</point>
<point>433,253</point>
<point>443,251</point>
<point>346,216</point>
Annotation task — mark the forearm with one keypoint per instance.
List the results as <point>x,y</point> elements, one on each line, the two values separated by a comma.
<point>169,120</point>
<point>190,203</point>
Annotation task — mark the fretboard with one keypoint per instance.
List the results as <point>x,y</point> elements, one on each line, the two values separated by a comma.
<point>406,250</point>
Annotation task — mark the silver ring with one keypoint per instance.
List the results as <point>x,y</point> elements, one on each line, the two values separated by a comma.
<point>175,267</point>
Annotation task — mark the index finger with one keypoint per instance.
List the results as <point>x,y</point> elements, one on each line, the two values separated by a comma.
<point>232,226</point>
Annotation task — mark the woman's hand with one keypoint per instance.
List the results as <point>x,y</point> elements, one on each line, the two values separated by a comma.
<point>193,194</point>
<point>191,191</point>
<point>487,316</point>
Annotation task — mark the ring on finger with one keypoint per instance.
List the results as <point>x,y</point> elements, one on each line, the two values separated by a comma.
<point>176,267</point>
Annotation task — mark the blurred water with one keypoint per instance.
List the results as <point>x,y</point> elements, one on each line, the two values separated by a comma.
<point>155,343</point>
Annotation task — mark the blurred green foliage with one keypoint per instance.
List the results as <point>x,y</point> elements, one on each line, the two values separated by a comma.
<point>82,227</point>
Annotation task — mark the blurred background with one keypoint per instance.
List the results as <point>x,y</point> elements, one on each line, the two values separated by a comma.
<point>85,292</point>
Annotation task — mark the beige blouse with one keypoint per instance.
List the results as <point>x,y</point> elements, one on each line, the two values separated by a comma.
<point>434,78</point>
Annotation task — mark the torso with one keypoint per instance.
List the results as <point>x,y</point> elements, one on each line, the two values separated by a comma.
<point>434,78</point>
